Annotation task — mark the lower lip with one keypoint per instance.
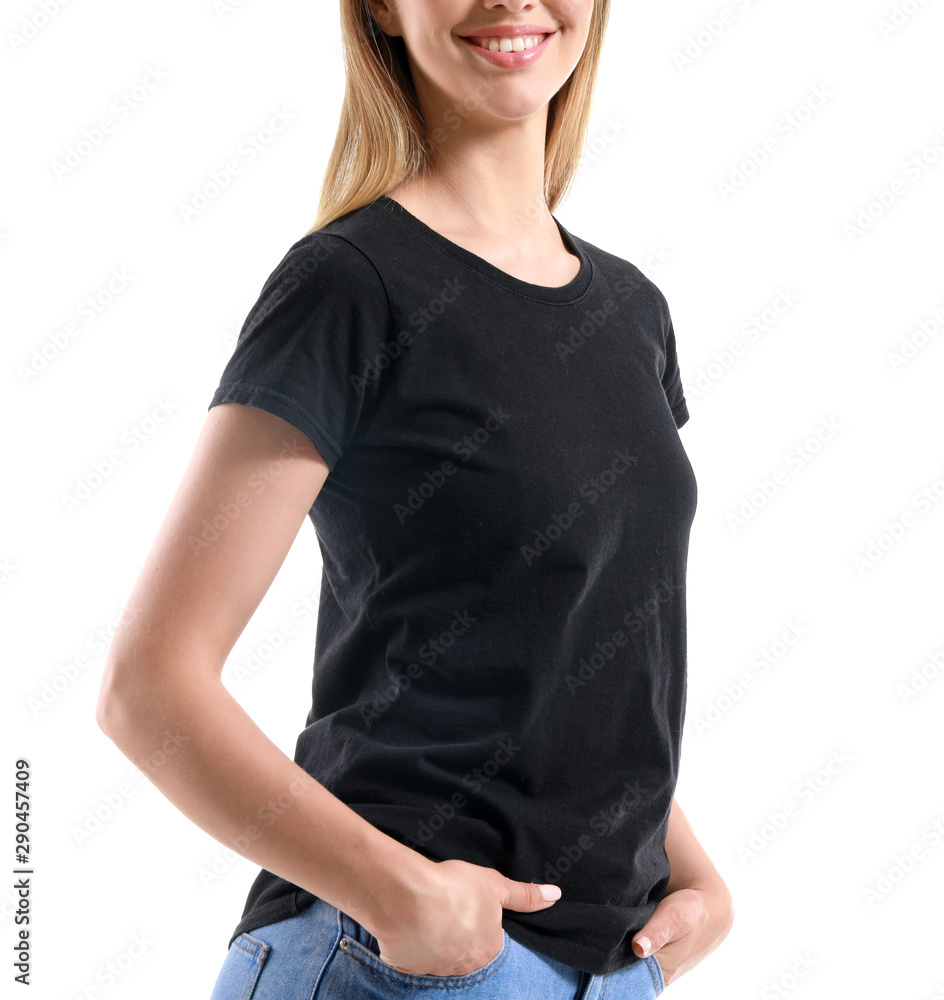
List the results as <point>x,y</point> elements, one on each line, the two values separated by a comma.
<point>510,60</point>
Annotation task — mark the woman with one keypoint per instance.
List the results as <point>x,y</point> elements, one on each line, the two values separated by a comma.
<point>479,412</point>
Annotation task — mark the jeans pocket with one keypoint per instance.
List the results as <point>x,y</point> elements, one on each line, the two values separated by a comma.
<point>241,969</point>
<point>363,948</point>
<point>658,977</point>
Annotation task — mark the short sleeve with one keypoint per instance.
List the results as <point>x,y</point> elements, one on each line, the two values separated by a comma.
<point>304,351</point>
<point>672,378</point>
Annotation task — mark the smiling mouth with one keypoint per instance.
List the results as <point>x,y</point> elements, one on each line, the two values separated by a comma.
<point>510,51</point>
<point>518,43</point>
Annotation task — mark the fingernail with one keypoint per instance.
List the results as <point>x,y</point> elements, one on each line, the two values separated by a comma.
<point>645,944</point>
<point>550,892</point>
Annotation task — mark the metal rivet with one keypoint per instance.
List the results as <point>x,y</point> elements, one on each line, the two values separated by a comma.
<point>344,942</point>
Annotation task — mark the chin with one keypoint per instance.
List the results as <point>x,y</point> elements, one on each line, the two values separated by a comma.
<point>518,106</point>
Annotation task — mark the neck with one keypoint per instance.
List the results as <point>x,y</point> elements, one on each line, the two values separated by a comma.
<point>488,177</point>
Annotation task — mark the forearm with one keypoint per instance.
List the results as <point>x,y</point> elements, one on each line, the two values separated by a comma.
<point>690,864</point>
<point>198,746</point>
<point>695,913</point>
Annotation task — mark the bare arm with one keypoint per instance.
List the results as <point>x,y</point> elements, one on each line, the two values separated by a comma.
<point>163,702</point>
<point>690,863</point>
<point>695,913</point>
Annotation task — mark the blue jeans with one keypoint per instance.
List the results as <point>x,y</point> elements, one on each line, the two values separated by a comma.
<point>323,954</point>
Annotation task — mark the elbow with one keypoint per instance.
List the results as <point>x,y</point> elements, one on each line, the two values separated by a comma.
<point>111,709</point>
<point>141,705</point>
<point>105,713</point>
<point>725,912</point>
<point>108,713</point>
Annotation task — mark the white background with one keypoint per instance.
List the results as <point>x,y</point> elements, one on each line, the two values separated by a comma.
<point>814,917</point>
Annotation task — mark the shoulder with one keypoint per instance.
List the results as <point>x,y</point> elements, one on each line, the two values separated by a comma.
<point>626,279</point>
<point>325,255</point>
<point>322,278</point>
<point>325,266</point>
<point>347,252</point>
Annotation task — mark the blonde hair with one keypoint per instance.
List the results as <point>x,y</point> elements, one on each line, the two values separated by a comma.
<point>382,141</point>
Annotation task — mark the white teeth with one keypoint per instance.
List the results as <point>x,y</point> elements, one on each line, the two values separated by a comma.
<point>517,44</point>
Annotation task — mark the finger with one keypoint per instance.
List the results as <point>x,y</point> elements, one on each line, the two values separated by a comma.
<point>527,897</point>
<point>669,922</point>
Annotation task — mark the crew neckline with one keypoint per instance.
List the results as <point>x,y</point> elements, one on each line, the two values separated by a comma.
<point>570,292</point>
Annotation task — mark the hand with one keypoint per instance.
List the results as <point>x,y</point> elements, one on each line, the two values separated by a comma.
<point>687,925</point>
<point>452,924</point>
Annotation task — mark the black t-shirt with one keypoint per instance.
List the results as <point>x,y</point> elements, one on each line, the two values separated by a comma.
<point>500,656</point>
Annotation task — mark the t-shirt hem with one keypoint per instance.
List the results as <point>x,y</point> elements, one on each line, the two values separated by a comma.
<point>577,956</point>
<point>569,953</point>
<point>274,402</point>
<point>271,913</point>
